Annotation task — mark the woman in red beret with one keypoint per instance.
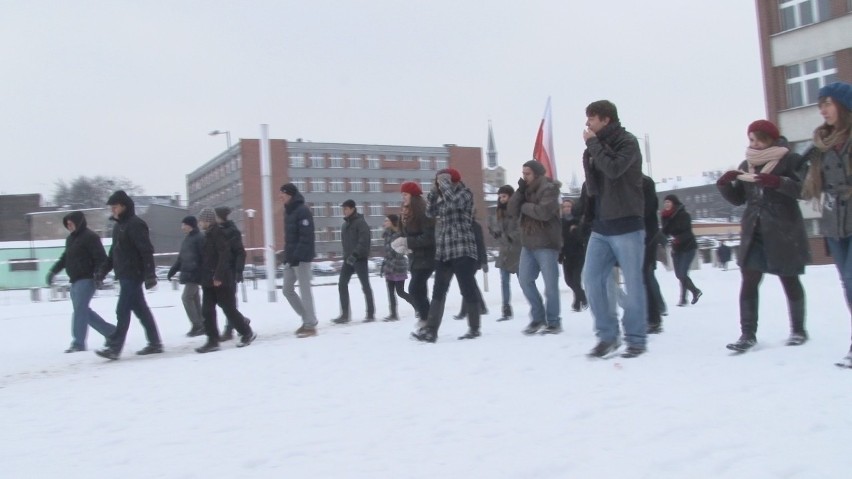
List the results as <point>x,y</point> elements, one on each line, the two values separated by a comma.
<point>772,233</point>
<point>418,239</point>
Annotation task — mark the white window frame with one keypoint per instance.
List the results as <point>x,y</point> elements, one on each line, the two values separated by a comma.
<point>374,186</point>
<point>796,7</point>
<point>297,160</point>
<point>800,84</point>
<point>356,185</point>
<point>337,186</point>
<point>318,185</point>
<point>335,161</point>
<point>377,210</point>
<point>317,160</point>
<point>355,162</point>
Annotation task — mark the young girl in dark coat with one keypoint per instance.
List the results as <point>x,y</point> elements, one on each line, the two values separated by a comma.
<point>678,224</point>
<point>418,231</point>
<point>772,236</point>
<point>394,267</point>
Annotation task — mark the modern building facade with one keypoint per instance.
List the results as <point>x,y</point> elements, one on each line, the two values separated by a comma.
<point>327,174</point>
<point>805,45</point>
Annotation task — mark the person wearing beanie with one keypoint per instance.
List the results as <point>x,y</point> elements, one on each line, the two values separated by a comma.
<point>188,266</point>
<point>450,202</point>
<point>297,256</point>
<point>826,183</point>
<point>772,232</point>
<point>418,241</point>
<point>677,224</point>
<point>355,238</point>
<point>84,255</point>
<point>615,208</point>
<point>222,262</point>
<point>535,204</point>
<point>508,237</point>
<point>394,267</point>
<point>132,257</point>
<point>222,213</point>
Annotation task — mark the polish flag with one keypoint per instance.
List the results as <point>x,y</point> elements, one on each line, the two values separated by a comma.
<point>543,151</point>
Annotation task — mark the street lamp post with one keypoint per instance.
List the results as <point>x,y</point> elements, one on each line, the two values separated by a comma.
<point>250,213</point>
<point>220,132</point>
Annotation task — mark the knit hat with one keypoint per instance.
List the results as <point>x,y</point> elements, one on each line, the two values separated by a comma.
<point>348,204</point>
<point>673,198</point>
<point>536,167</point>
<point>207,214</point>
<point>765,126</point>
<point>119,198</point>
<point>506,189</point>
<point>840,92</point>
<point>190,221</point>
<point>394,219</point>
<point>411,188</point>
<point>222,212</point>
<point>290,189</point>
<point>455,176</point>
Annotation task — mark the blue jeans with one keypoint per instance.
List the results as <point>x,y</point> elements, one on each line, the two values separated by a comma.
<point>131,297</point>
<point>84,316</point>
<point>546,262</point>
<point>841,251</point>
<point>505,286</point>
<point>602,255</point>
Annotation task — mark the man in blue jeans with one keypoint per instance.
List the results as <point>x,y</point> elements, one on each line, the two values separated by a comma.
<point>613,168</point>
<point>536,205</point>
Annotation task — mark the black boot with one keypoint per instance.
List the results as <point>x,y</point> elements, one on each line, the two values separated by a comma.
<point>342,319</point>
<point>798,334</point>
<point>507,313</point>
<point>696,293</point>
<point>227,333</point>
<point>473,322</point>
<point>748,326</point>
<point>462,312</point>
<point>436,315</point>
<point>682,301</point>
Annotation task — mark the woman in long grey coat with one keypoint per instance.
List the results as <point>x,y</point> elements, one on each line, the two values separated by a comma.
<point>508,236</point>
<point>772,236</point>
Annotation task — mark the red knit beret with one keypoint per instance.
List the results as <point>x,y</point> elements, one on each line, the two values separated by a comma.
<point>455,176</point>
<point>765,126</point>
<point>411,188</point>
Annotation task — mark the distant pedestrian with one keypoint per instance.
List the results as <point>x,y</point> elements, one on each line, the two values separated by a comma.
<point>508,235</point>
<point>132,257</point>
<point>772,234</point>
<point>299,252</point>
<point>418,230</point>
<point>723,252</point>
<point>394,267</point>
<point>83,257</point>
<point>573,253</point>
<point>678,225</point>
<point>356,238</point>
<point>188,264</point>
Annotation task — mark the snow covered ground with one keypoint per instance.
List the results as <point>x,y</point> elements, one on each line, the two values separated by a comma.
<point>364,401</point>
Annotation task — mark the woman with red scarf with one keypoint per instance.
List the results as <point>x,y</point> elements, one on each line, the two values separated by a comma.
<point>678,224</point>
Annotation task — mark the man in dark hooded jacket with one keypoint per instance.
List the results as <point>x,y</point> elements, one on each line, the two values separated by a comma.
<point>132,257</point>
<point>299,252</point>
<point>84,255</point>
<point>188,264</point>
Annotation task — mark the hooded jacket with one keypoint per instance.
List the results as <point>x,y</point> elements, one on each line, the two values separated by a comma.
<point>84,253</point>
<point>188,262</point>
<point>355,236</point>
<point>224,257</point>
<point>131,254</point>
<point>298,231</point>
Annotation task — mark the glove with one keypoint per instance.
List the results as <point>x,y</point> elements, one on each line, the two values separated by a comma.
<point>767,180</point>
<point>294,263</point>
<point>728,177</point>
<point>485,267</point>
<point>522,185</point>
<point>49,277</point>
<point>350,260</point>
<point>150,282</point>
<point>400,245</point>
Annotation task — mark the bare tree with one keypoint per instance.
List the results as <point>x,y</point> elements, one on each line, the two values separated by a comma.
<point>86,192</point>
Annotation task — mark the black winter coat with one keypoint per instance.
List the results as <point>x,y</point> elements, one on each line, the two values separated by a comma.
<point>131,254</point>
<point>84,253</point>
<point>774,214</point>
<point>678,225</point>
<point>421,242</point>
<point>188,262</point>
<point>298,231</point>
<point>224,256</point>
<point>355,236</point>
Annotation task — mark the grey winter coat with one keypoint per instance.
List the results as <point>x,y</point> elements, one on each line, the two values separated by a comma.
<point>836,221</point>
<point>774,214</point>
<point>508,235</point>
<point>537,208</point>
<point>394,263</point>
<point>355,235</point>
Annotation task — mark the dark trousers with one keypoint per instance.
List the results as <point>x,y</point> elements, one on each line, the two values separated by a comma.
<point>131,297</point>
<point>418,288</point>
<point>572,271</point>
<point>464,269</point>
<point>652,287</point>
<point>224,296</point>
<point>749,301</point>
<point>360,268</point>
<point>397,288</point>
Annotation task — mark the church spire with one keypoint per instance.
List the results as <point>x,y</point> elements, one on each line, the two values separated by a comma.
<point>491,152</point>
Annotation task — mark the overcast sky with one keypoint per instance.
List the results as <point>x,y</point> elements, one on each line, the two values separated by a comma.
<point>132,88</point>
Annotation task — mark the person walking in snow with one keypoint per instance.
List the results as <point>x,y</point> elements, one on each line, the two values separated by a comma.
<point>418,241</point>
<point>508,236</point>
<point>394,267</point>
<point>482,263</point>
<point>573,253</point>
<point>188,264</point>
<point>653,239</point>
<point>219,271</point>
<point>450,203</point>
<point>84,255</point>
<point>299,252</point>
<point>355,238</point>
<point>772,234</point>
<point>678,224</point>
<point>238,260</point>
<point>828,181</point>
<point>132,256</point>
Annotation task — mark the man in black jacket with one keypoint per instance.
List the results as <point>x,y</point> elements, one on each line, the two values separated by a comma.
<point>355,236</point>
<point>298,254</point>
<point>132,257</point>
<point>188,264</point>
<point>84,255</point>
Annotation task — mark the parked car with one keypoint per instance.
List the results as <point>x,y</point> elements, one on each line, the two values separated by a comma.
<point>324,268</point>
<point>162,272</point>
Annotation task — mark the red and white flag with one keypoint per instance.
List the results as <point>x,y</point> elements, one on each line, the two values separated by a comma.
<point>543,150</point>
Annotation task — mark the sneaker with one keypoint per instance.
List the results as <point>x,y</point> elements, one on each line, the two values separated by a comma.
<point>195,331</point>
<point>470,334</point>
<point>697,294</point>
<point>604,349</point>
<point>108,353</point>
<point>797,339</point>
<point>533,327</point>
<point>552,329</point>
<point>306,332</point>
<point>655,328</point>
<point>246,339</point>
<point>743,344</point>
<point>370,318</point>
<point>633,351</point>
<point>150,349</point>
<point>507,313</point>
<point>340,320</point>
<point>74,349</point>
<point>424,335</point>
<point>391,317</point>
<point>207,348</point>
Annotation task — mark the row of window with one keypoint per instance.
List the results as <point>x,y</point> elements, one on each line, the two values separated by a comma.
<point>330,210</point>
<point>216,174</point>
<point>372,162</point>
<point>352,185</point>
<point>333,234</point>
<point>806,78</point>
<point>218,197</point>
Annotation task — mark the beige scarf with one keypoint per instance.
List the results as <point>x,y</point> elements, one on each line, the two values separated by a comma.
<point>768,158</point>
